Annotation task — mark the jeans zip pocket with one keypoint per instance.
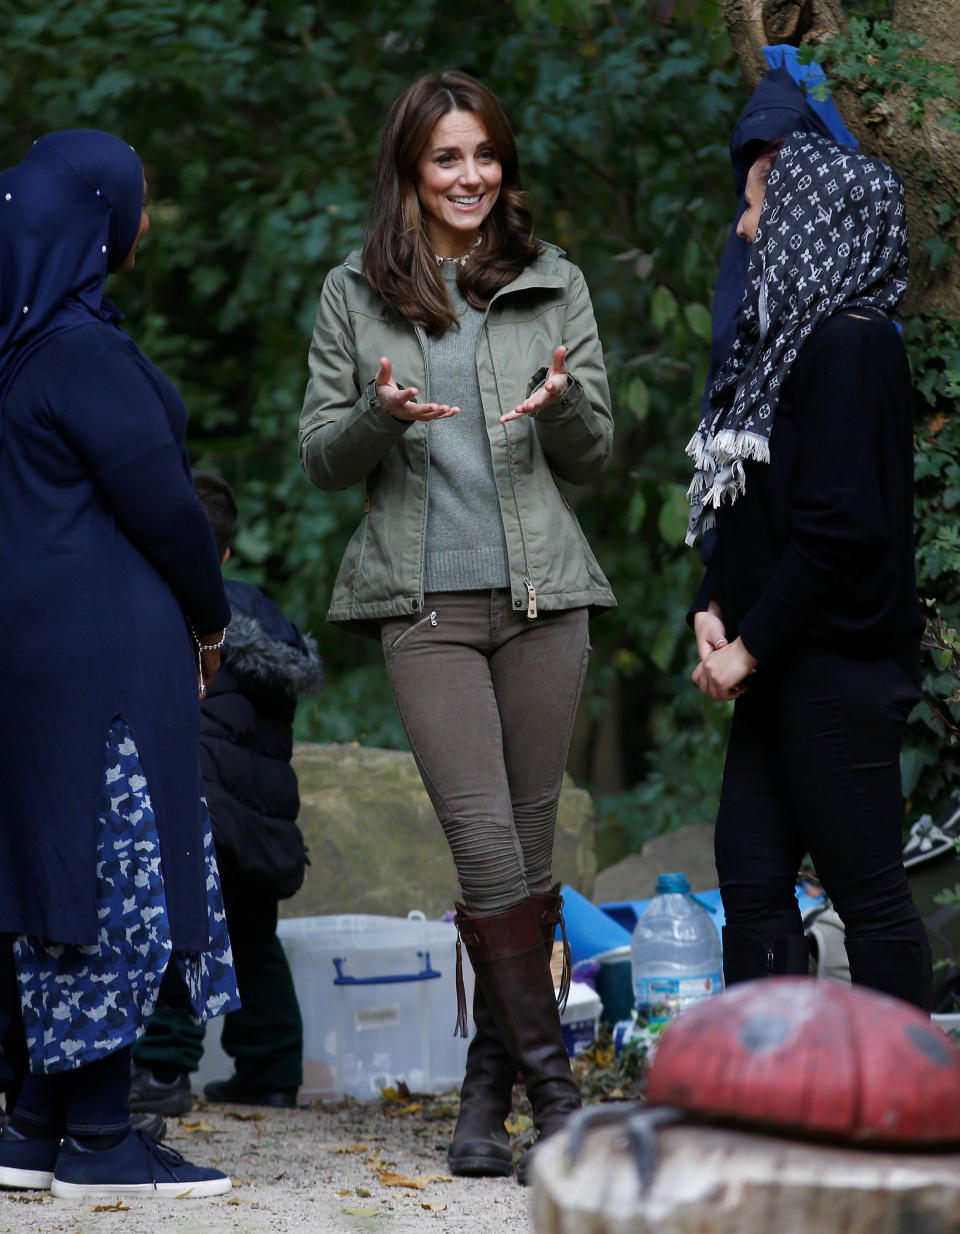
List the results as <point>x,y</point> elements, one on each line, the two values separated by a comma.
<point>404,634</point>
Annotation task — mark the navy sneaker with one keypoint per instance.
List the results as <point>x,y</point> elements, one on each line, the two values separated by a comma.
<point>25,1162</point>
<point>137,1165</point>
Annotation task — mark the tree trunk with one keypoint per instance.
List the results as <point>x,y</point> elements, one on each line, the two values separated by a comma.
<point>735,1182</point>
<point>884,129</point>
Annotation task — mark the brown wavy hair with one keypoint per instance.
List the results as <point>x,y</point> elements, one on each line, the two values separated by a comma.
<point>397,259</point>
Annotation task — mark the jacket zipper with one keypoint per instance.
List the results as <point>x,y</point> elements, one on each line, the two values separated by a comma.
<point>421,339</point>
<point>531,598</point>
<point>526,580</point>
<point>431,617</point>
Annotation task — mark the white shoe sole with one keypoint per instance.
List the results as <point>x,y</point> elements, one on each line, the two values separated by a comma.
<point>27,1180</point>
<point>174,1191</point>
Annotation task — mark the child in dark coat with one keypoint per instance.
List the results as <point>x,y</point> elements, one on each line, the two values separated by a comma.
<point>246,741</point>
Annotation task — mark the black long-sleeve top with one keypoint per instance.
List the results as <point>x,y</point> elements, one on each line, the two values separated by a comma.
<point>819,547</point>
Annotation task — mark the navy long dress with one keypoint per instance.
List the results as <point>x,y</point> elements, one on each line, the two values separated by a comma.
<point>106,560</point>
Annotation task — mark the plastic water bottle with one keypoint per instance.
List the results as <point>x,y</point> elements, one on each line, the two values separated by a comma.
<point>676,957</point>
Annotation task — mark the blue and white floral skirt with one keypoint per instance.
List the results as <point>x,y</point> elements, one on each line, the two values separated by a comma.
<point>81,1003</point>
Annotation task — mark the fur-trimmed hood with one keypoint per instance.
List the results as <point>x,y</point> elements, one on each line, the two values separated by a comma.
<point>262,643</point>
<point>250,650</point>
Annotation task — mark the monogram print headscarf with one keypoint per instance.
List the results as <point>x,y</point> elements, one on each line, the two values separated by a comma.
<point>832,236</point>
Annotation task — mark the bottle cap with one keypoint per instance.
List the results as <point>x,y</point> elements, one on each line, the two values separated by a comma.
<point>667,883</point>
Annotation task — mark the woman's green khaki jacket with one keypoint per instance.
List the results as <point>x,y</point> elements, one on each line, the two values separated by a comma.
<point>346,436</point>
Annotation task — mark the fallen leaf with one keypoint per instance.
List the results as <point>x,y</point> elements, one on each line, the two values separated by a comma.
<point>400,1093</point>
<point>349,1148</point>
<point>399,1180</point>
<point>346,1191</point>
<point>252,1117</point>
<point>396,1112</point>
<point>363,1193</point>
<point>389,1179</point>
<point>434,1208</point>
<point>522,1122</point>
<point>361,1212</point>
<point>118,1207</point>
<point>200,1125</point>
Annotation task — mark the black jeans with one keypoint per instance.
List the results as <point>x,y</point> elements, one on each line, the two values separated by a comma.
<point>813,765</point>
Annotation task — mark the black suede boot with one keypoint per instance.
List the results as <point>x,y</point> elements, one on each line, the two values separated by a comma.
<point>510,963</point>
<point>898,966</point>
<point>748,954</point>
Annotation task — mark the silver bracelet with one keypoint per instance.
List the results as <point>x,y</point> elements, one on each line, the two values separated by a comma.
<point>211,646</point>
<point>201,648</point>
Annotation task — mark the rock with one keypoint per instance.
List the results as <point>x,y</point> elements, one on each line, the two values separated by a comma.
<point>376,845</point>
<point>688,850</point>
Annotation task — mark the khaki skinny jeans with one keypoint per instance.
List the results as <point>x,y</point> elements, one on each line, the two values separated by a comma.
<point>487,698</point>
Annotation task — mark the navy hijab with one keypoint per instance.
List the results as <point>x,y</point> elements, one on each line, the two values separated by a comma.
<point>69,213</point>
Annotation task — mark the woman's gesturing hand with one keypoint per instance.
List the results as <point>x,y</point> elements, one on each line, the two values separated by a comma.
<point>400,403</point>
<point>723,672</point>
<point>554,387</point>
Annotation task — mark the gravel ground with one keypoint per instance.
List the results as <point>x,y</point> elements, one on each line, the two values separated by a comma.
<point>335,1169</point>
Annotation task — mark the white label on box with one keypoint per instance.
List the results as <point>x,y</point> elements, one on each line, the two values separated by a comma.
<point>376,1017</point>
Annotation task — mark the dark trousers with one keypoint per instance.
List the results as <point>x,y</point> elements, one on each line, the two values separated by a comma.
<point>488,698</point>
<point>265,1037</point>
<point>13,1046</point>
<point>89,1100</point>
<point>813,765</point>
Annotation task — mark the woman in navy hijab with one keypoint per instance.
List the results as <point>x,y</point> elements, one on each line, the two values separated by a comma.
<point>112,611</point>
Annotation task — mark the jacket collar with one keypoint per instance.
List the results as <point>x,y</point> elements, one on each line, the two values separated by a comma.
<point>544,271</point>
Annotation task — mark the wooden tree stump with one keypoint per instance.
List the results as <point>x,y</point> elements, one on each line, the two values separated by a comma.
<point>711,1180</point>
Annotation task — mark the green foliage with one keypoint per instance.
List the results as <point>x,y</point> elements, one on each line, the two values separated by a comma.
<point>878,60</point>
<point>258,125</point>
<point>933,342</point>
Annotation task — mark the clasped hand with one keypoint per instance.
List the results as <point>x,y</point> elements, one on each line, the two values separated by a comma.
<point>724,667</point>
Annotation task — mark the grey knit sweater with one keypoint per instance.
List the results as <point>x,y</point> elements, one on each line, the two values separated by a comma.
<point>466,549</point>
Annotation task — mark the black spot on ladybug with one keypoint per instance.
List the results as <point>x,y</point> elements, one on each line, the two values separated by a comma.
<point>931,1044</point>
<point>767,1032</point>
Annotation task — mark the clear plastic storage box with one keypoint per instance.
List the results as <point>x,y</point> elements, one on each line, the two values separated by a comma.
<point>378,1000</point>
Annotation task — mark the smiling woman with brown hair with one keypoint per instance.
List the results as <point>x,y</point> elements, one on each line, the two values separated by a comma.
<point>469,564</point>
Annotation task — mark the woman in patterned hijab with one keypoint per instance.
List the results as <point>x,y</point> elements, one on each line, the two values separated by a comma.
<point>808,614</point>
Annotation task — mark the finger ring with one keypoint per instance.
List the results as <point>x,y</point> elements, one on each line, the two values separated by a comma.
<point>721,642</point>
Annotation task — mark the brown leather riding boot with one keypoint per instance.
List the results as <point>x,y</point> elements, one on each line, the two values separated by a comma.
<point>548,905</point>
<point>509,959</point>
<point>480,1146</point>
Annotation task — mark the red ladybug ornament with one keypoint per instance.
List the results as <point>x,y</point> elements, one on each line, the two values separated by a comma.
<point>815,1057</point>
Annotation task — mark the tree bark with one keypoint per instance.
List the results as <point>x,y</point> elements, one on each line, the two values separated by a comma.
<point>926,154</point>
